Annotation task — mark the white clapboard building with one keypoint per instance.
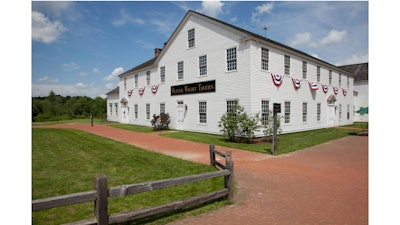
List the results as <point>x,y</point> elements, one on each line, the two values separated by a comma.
<point>208,64</point>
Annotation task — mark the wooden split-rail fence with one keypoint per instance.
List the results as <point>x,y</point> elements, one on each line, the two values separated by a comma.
<point>101,194</point>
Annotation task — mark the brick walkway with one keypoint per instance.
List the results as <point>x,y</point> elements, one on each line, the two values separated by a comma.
<point>324,184</point>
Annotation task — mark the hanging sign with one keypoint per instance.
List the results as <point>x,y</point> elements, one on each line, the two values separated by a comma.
<point>193,88</point>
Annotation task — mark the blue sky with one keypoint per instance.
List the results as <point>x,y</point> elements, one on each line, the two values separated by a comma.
<point>80,48</point>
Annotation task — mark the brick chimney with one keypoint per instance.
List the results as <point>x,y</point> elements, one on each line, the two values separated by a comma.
<point>157,51</point>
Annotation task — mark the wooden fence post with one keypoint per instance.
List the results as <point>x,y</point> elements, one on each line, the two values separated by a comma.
<point>101,203</point>
<point>229,181</point>
<point>212,155</point>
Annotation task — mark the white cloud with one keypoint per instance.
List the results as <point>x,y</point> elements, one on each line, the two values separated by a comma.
<point>44,30</point>
<point>211,8</point>
<point>70,66</point>
<point>260,10</point>
<point>333,37</point>
<point>300,38</point>
<point>113,75</point>
<point>47,79</point>
<point>79,89</point>
<point>125,18</point>
<point>95,70</point>
<point>355,59</point>
<point>80,85</point>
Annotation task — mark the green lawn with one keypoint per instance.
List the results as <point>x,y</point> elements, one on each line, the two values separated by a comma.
<point>66,161</point>
<point>286,143</point>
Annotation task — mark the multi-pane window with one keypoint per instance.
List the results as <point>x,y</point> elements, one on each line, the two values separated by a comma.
<point>231,59</point>
<point>124,83</point>
<point>348,112</point>
<point>136,111</point>
<point>162,74</point>
<point>203,65</point>
<point>191,38</point>
<point>304,70</point>
<point>116,108</point>
<point>162,108</point>
<point>318,74</point>
<point>110,105</point>
<point>136,80</point>
<point>304,111</point>
<point>287,65</point>
<point>202,112</point>
<point>330,76</point>
<point>264,112</point>
<point>148,78</point>
<point>264,58</point>
<point>348,82</point>
<point>180,70</point>
<point>287,112</point>
<point>231,106</point>
<point>340,80</point>
<point>340,111</point>
<point>147,111</point>
<point>318,111</point>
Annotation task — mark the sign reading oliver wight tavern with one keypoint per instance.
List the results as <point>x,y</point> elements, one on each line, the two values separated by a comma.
<point>193,88</point>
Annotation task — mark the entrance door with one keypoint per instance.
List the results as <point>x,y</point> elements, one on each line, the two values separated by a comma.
<point>180,115</point>
<point>125,114</point>
<point>331,114</point>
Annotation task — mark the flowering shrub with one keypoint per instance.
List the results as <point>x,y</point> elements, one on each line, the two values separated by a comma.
<point>160,122</point>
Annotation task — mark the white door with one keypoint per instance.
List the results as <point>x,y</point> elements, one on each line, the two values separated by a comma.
<point>180,115</point>
<point>125,114</point>
<point>331,114</point>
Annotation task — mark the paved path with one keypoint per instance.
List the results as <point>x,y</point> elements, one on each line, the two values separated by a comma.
<point>324,184</point>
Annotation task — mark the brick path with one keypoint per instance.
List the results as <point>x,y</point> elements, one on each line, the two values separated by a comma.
<point>324,184</point>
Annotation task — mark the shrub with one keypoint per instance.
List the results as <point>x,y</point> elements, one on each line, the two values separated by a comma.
<point>160,122</point>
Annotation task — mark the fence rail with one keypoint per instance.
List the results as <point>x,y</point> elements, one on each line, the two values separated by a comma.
<point>101,194</point>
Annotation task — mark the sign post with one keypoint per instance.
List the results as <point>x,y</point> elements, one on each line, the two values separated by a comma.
<point>277,109</point>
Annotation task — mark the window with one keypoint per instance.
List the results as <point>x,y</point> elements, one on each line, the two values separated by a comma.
<point>136,80</point>
<point>162,108</point>
<point>148,78</point>
<point>203,65</point>
<point>287,65</point>
<point>191,38</point>
<point>318,111</point>
<point>318,74</point>
<point>287,112</point>
<point>147,111</point>
<point>110,105</point>
<point>264,58</point>
<point>136,111</point>
<point>231,59</point>
<point>304,70</point>
<point>162,74</point>
<point>348,112</point>
<point>124,83</point>
<point>348,82</point>
<point>203,112</point>
<point>330,76</point>
<point>116,108</point>
<point>180,70</point>
<point>304,111</point>
<point>264,112</point>
<point>231,106</point>
<point>340,80</point>
<point>340,111</point>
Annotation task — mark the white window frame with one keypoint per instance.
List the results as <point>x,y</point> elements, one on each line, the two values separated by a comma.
<point>202,112</point>
<point>231,59</point>
<point>286,63</point>
<point>304,111</point>
<point>191,38</point>
<point>264,59</point>
<point>203,65</point>
<point>287,112</point>
<point>180,69</point>
<point>162,74</point>
<point>148,111</point>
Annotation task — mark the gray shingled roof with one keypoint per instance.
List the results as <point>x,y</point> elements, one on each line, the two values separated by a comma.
<point>360,70</point>
<point>114,91</point>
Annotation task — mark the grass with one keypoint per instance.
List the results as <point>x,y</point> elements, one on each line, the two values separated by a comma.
<point>66,161</point>
<point>74,121</point>
<point>286,142</point>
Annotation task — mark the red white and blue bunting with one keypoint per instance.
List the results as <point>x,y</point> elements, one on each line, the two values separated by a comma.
<point>344,92</point>
<point>313,86</point>
<point>325,88</point>
<point>296,83</point>
<point>154,88</point>
<point>130,92</point>
<point>335,90</point>
<point>277,79</point>
<point>141,90</point>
